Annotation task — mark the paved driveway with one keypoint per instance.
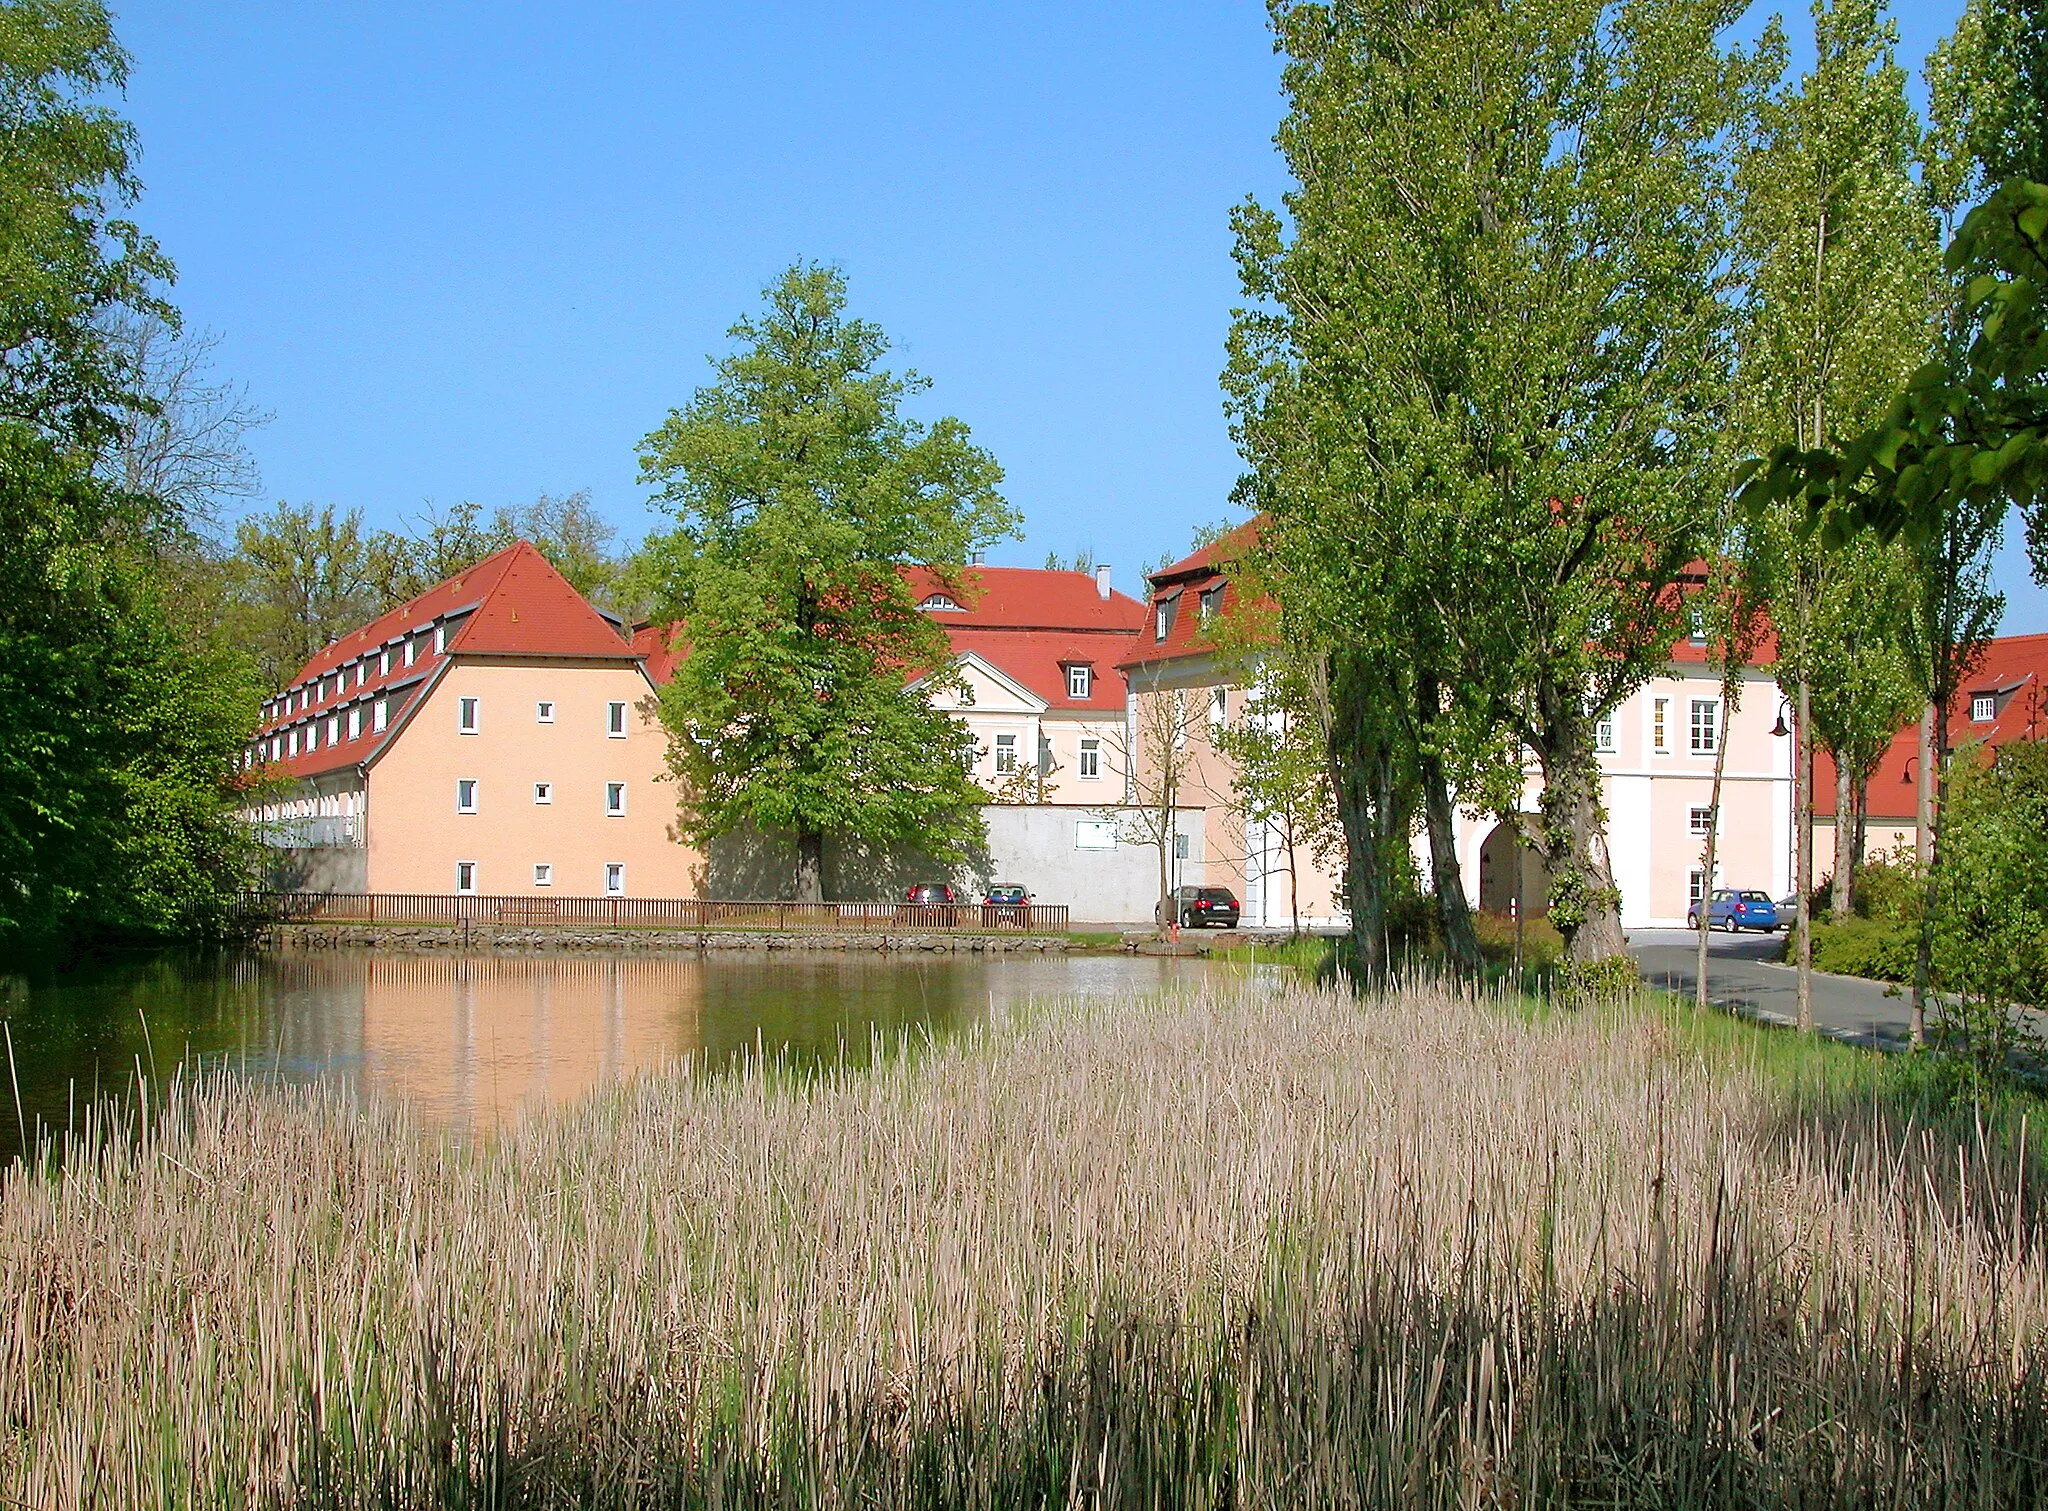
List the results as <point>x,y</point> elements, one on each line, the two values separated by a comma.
<point>1743,975</point>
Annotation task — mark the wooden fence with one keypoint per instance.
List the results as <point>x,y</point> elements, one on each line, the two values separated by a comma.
<point>659,912</point>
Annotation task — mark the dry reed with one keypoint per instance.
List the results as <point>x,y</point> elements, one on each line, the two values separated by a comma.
<point>1246,1246</point>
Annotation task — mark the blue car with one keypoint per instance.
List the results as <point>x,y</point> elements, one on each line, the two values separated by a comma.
<point>1734,911</point>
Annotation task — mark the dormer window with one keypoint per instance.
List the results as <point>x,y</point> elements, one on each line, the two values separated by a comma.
<point>939,601</point>
<point>1211,603</point>
<point>1079,681</point>
<point>1983,708</point>
<point>1162,619</point>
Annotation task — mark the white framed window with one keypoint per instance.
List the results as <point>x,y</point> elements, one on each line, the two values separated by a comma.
<point>355,723</point>
<point>1699,820</point>
<point>1660,725</point>
<point>465,876</point>
<point>292,743</point>
<point>1095,834</point>
<point>544,712</point>
<point>543,874</point>
<point>1006,754</point>
<point>333,730</point>
<point>967,695</point>
<point>543,792</point>
<point>384,661</point>
<point>1704,727</point>
<point>412,649</point>
<point>615,720</point>
<point>1603,734</point>
<point>1695,888</point>
<point>1079,679</point>
<point>1180,847</point>
<point>1091,760</point>
<point>440,638</point>
<point>466,715</point>
<point>614,878</point>
<point>1211,604</point>
<point>1983,708</point>
<point>614,799</point>
<point>465,794</point>
<point>1162,621</point>
<point>1219,707</point>
<point>380,713</point>
<point>939,601</point>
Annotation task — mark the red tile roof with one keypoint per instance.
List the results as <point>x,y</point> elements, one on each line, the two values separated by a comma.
<point>513,602</point>
<point>2013,670</point>
<point>1039,659</point>
<point>1025,598</point>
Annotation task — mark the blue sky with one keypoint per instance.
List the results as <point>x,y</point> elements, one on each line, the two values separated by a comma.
<point>468,251</point>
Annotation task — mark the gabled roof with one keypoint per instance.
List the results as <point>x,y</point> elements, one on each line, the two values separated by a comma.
<point>1025,598</point>
<point>512,603</point>
<point>1214,557</point>
<point>1038,660</point>
<point>2013,670</point>
<point>996,675</point>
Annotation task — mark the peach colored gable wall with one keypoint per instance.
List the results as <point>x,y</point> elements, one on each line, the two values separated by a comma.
<point>416,836</point>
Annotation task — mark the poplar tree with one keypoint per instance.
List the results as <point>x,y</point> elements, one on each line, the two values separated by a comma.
<point>1481,381</point>
<point>801,490</point>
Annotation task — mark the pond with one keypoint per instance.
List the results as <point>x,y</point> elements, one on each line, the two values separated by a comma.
<point>468,1040</point>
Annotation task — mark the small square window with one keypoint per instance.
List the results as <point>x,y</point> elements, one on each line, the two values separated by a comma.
<point>465,876</point>
<point>615,720</point>
<point>1091,760</point>
<point>466,716</point>
<point>967,695</point>
<point>1078,680</point>
<point>543,875</point>
<point>465,795</point>
<point>614,879</point>
<point>614,799</point>
<point>543,792</point>
<point>1699,820</point>
<point>1983,708</point>
<point>543,713</point>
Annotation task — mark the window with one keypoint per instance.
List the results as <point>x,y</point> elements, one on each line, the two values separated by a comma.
<point>1095,834</point>
<point>333,730</point>
<point>1078,680</point>
<point>543,874</point>
<point>1006,754</point>
<point>543,792</point>
<point>384,661</point>
<point>465,794</point>
<point>614,878</point>
<point>1695,888</point>
<point>967,695</point>
<point>1699,820</point>
<point>1983,708</point>
<point>1162,620</point>
<point>1091,760</point>
<point>614,799</point>
<point>615,720</point>
<point>543,713</point>
<point>465,876</point>
<point>1210,604</point>
<point>292,743</point>
<point>355,723</point>
<point>412,650</point>
<point>380,712</point>
<point>1660,721</point>
<point>1219,707</point>
<point>440,638</point>
<point>466,715</point>
<point>939,601</point>
<point>1180,847</point>
<point>1705,728</point>
<point>1603,734</point>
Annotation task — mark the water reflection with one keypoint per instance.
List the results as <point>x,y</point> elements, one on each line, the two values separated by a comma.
<point>471,1040</point>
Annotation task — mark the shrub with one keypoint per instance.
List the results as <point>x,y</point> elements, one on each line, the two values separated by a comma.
<point>1889,889</point>
<point>1584,982</point>
<point>1880,950</point>
<point>1542,945</point>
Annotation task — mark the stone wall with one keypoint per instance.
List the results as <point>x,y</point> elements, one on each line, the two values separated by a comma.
<point>412,938</point>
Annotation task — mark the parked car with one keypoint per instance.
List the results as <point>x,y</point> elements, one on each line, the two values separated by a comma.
<point>1201,908</point>
<point>1733,910</point>
<point>1007,902</point>
<point>933,903</point>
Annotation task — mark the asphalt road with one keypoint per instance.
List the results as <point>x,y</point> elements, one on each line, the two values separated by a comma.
<point>1743,975</point>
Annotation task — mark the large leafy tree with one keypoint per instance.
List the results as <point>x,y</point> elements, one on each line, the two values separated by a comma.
<point>1841,246</point>
<point>801,488</point>
<point>1482,381</point>
<point>122,718</point>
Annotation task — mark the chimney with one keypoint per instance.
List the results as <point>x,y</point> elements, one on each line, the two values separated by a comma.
<point>1102,580</point>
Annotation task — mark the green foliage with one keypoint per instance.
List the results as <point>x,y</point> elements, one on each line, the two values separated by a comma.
<point>1542,945</point>
<point>1878,949</point>
<point>69,263</point>
<point>1587,982</point>
<point>801,490</point>
<point>117,752</point>
<point>1991,926</point>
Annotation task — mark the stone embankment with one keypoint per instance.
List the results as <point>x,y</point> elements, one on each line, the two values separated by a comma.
<point>430,938</point>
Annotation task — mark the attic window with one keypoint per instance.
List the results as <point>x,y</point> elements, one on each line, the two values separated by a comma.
<point>939,601</point>
<point>1079,679</point>
<point>1983,708</point>
<point>1211,603</point>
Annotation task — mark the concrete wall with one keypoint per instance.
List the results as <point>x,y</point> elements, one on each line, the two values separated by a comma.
<point>1039,847</point>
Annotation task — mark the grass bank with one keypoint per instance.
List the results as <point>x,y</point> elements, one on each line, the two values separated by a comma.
<point>1266,1246</point>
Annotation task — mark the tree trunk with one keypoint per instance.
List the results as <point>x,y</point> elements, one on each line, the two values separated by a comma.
<point>1454,912</point>
<point>1860,795</point>
<point>810,868</point>
<point>1802,803</point>
<point>1923,798</point>
<point>1293,884</point>
<point>1704,917</point>
<point>1356,754</point>
<point>1844,862</point>
<point>1930,828</point>
<point>1585,905</point>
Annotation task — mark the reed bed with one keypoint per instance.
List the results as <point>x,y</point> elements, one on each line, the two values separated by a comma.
<point>1252,1245</point>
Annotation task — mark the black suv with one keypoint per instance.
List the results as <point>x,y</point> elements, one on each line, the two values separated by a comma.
<point>1202,907</point>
